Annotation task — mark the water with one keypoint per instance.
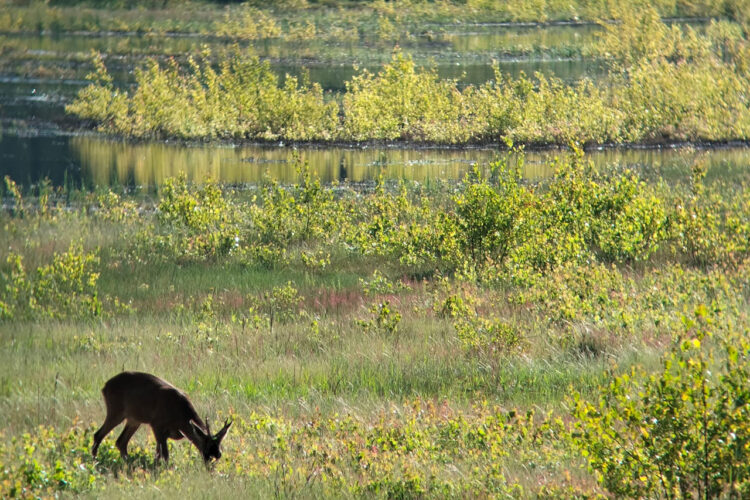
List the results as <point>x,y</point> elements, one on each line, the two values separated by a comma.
<point>468,50</point>
<point>90,161</point>
<point>40,74</point>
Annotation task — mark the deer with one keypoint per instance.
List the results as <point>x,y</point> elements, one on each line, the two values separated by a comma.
<point>142,398</point>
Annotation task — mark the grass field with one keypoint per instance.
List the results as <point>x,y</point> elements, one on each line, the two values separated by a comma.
<point>581,335</point>
<point>390,342</point>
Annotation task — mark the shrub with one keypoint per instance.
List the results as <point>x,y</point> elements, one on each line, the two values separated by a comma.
<point>384,320</point>
<point>100,102</point>
<point>280,305</point>
<point>401,102</point>
<point>195,222</point>
<point>65,288</point>
<point>490,219</point>
<point>242,99</point>
<point>681,432</point>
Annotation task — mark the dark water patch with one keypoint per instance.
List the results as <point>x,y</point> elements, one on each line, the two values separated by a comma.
<point>90,160</point>
<point>324,58</point>
<point>32,109</point>
<point>28,160</point>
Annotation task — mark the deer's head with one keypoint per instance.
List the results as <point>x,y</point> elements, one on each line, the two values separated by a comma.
<point>209,444</point>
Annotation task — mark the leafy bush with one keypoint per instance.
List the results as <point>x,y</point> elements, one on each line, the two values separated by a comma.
<point>242,99</point>
<point>65,288</point>
<point>248,24</point>
<point>680,432</point>
<point>665,83</point>
<point>384,320</point>
<point>195,222</point>
<point>101,103</point>
<point>490,219</point>
<point>402,102</point>
<point>279,305</point>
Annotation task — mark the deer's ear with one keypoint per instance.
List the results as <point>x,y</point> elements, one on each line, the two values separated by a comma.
<point>220,435</point>
<point>198,433</point>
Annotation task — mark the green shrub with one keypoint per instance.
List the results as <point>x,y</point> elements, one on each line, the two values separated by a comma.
<point>248,23</point>
<point>194,222</point>
<point>384,320</point>
<point>488,337</point>
<point>242,99</point>
<point>65,288</point>
<point>491,218</point>
<point>101,103</point>
<point>279,305</point>
<point>401,102</point>
<point>681,432</point>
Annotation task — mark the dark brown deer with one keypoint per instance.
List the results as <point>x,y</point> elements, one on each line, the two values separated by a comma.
<point>142,398</point>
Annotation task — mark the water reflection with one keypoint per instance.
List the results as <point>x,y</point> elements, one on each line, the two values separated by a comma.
<point>89,161</point>
<point>106,162</point>
<point>463,51</point>
<point>523,38</point>
<point>112,162</point>
<point>459,38</point>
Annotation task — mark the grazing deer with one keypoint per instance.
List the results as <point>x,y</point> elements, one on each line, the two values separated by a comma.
<point>142,398</point>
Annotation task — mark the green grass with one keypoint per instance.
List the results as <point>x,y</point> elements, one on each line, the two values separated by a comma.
<point>366,386</point>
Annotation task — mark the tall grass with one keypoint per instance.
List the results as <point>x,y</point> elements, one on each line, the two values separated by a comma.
<point>366,343</point>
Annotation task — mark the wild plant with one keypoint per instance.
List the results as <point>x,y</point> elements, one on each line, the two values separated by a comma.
<point>67,287</point>
<point>681,431</point>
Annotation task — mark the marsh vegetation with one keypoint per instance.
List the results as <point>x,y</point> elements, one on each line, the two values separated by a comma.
<point>664,84</point>
<point>395,340</point>
<point>568,329</point>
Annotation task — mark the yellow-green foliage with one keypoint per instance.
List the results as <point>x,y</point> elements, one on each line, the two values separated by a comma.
<point>64,288</point>
<point>494,222</point>
<point>677,84</point>
<point>241,100</point>
<point>665,83</point>
<point>402,102</point>
<point>680,432</point>
<point>101,102</point>
<point>419,449</point>
<point>543,110</point>
<point>248,24</point>
<point>684,101</point>
<point>194,222</point>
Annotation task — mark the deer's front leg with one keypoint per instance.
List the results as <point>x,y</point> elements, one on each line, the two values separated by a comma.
<point>162,449</point>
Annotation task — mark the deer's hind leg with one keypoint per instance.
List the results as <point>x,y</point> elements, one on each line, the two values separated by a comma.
<point>125,435</point>
<point>115,415</point>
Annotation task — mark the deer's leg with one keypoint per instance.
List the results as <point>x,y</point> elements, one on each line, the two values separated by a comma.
<point>162,449</point>
<point>112,421</point>
<point>125,435</point>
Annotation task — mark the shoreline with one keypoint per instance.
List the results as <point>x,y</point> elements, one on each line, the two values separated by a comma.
<point>64,128</point>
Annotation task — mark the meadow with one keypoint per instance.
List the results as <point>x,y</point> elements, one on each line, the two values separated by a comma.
<point>582,334</point>
<point>572,337</point>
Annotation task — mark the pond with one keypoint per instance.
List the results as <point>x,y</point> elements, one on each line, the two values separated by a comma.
<point>464,53</point>
<point>39,74</point>
<point>89,161</point>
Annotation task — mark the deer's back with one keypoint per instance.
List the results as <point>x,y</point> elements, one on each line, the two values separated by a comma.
<point>147,399</point>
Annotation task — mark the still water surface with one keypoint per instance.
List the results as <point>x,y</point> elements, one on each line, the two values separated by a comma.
<point>89,161</point>
<point>42,73</point>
